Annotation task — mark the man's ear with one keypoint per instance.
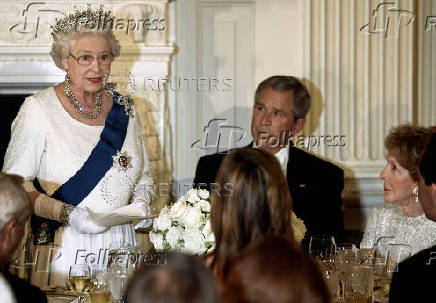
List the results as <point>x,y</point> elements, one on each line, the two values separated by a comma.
<point>298,126</point>
<point>6,232</point>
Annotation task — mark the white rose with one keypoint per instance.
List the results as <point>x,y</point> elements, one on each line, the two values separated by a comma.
<point>173,235</point>
<point>163,221</point>
<point>178,210</point>
<point>203,194</point>
<point>194,242</point>
<point>192,218</point>
<point>207,232</point>
<point>204,205</point>
<point>157,240</point>
<point>207,228</point>
<point>162,212</point>
<point>192,196</point>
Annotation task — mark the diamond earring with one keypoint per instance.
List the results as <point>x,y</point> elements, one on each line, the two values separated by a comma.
<point>415,194</point>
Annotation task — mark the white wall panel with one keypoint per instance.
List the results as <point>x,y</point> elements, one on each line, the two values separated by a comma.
<point>216,43</point>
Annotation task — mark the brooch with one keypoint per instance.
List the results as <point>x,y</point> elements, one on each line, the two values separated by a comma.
<point>127,102</point>
<point>122,160</point>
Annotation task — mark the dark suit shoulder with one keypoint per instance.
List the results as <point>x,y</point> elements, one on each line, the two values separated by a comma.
<point>218,157</point>
<point>207,169</point>
<point>425,259</point>
<point>23,290</point>
<point>414,279</point>
<point>302,158</point>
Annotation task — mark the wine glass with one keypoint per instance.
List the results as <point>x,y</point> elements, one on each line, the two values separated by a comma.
<point>99,290</point>
<point>79,278</point>
<point>322,247</point>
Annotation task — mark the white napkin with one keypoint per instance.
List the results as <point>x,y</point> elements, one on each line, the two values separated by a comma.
<point>122,215</point>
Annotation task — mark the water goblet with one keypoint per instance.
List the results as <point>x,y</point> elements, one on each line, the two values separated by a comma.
<point>118,278</point>
<point>359,284</point>
<point>123,254</point>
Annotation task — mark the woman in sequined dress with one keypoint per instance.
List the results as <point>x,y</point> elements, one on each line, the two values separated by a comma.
<point>399,225</point>
<point>79,145</point>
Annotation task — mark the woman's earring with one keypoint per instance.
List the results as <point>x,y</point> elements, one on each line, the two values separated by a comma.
<point>415,194</point>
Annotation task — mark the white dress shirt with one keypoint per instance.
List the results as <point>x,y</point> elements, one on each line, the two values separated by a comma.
<point>283,157</point>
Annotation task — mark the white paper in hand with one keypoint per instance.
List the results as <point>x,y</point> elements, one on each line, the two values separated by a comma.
<point>122,215</point>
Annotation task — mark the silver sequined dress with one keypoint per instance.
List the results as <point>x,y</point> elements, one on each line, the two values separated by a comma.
<point>48,143</point>
<point>404,235</point>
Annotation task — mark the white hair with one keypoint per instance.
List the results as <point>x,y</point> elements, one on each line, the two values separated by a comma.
<point>14,203</point>
<point>6,293</point>
<point>64,42</point>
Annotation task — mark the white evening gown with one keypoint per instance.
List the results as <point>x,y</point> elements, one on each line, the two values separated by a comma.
<point>411,234</point>
<point>49,144</point>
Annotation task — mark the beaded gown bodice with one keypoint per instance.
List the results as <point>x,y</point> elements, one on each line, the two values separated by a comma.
<point>396,230</point>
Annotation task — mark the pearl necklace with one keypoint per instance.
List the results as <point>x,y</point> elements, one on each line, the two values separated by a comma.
<point>89,112</point>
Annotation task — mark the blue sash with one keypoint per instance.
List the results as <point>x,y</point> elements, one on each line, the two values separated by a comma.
<point>89,175</point>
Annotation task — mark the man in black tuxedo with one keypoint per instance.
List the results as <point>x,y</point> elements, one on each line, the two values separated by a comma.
<point>281,104</point>
<point>414,281</point>
<point>14,212</point>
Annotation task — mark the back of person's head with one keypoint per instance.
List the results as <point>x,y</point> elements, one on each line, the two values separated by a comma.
<point>14,203</point>
<point>427,164</point>
<point>274,270</point>
<point>182,279</point>
<point>259,204</point>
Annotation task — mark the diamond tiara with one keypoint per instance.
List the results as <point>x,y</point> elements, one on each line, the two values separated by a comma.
<point>92,19</point>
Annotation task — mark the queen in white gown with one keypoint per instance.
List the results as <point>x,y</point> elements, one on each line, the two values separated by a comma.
<point>399,227</point>
<point>52,139</point>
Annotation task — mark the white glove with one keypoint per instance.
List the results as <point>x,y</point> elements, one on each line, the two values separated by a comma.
<point>81,222</point>
<point>146,222</point>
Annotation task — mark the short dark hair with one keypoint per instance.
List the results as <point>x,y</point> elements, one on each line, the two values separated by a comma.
<point>427,165</point>
<point>274,270</point>
<point>182,279</point>
<point>302,100</point>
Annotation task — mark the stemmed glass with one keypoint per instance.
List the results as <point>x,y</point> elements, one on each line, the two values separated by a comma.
<point>79,278</point>
<point>119,277</point>
<point>322,247</point>
<point>99,290</point>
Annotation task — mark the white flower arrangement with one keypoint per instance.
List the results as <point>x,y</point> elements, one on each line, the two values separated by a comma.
<point>185,225</point>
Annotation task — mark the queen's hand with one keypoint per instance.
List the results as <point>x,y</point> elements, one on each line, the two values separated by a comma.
<point>81,222</point>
